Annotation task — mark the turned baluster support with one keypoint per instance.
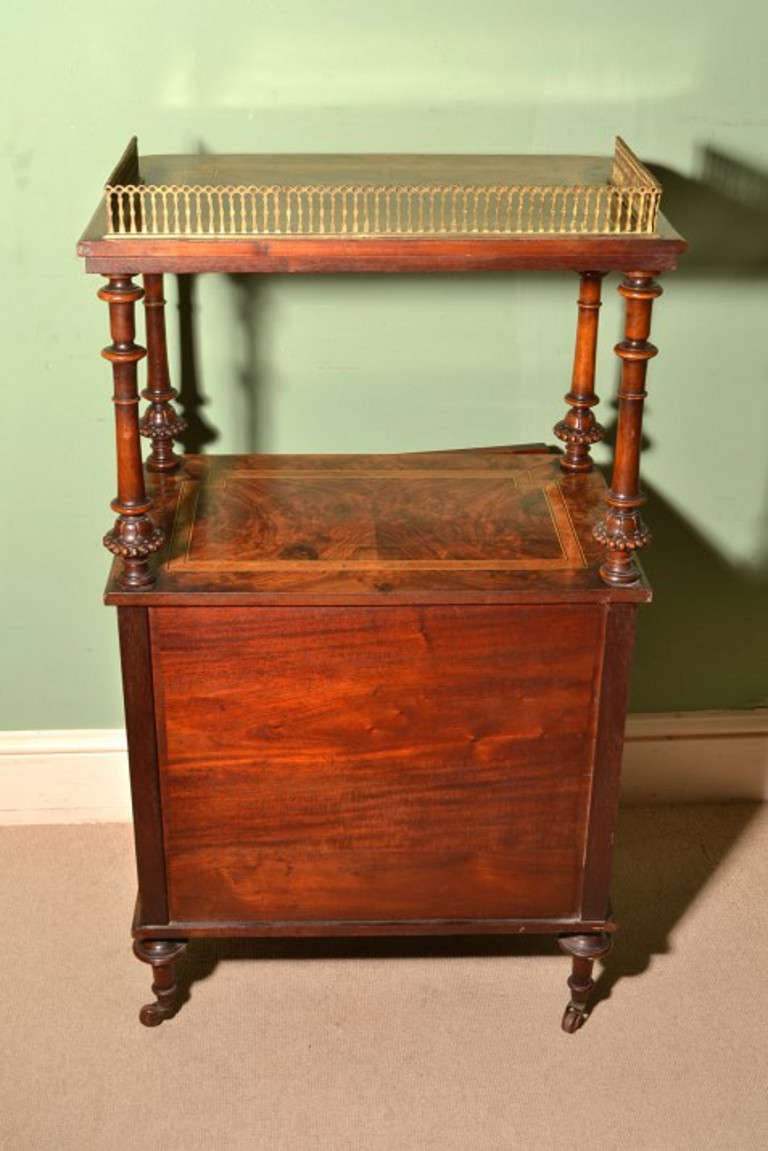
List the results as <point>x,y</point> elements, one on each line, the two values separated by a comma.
<point>623,531</point>
<point>134,536</point>
<point>160,423</point>
<point>584,950</point>
<point>163,955</point>
<point>579,429</point>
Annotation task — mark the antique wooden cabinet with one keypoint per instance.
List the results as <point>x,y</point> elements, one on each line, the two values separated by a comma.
<point>376,694</point>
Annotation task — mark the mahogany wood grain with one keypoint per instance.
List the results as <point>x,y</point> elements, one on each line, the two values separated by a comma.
<point>139,701</point>
<point>609,746</point>
<point>319,254</point>
<point>370,763</point>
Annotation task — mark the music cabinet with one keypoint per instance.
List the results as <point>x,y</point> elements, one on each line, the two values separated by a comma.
<point>376,694</point>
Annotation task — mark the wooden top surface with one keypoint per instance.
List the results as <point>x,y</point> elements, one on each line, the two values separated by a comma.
<point>373,168</point>
<point>492,525</point>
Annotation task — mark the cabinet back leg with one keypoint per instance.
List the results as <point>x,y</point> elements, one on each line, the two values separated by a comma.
<point>162,954</point>
<point>584,950</point>
<point>580,429</point>
<point>160,423</point>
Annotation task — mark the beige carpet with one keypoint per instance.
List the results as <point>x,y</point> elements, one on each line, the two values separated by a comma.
<point>392,1045</point>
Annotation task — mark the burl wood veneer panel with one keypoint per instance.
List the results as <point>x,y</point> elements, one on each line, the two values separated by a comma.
<point>330,514</point>
<point>375,762</point>
<point>482,525</point>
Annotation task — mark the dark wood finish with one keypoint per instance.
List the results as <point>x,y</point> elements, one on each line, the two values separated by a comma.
<point>319,254</point>
<point>457,527</point>
<point>579,429</point>
<point>139,700</point>
<point>623,531</point>
<point>609,745</point>
<point>134,537</point>
<point>362,928</point>
<point>584,950</point>
<point>163,955</point>
<point>305,752</point>
<point>160,423</point>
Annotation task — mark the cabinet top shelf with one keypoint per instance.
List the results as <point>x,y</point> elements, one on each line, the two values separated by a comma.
<point>378,213</point>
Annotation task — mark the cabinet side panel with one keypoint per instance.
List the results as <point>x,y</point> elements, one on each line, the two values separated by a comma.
<point>136,659</point>
<point>375,763</point>
<point>609,747</point>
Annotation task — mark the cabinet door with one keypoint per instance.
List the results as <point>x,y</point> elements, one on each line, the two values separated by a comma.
<point>376,763</point>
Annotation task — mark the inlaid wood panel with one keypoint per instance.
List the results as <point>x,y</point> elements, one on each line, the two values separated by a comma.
<point>454,526</point>
<point>375,763</point>
<point>347,518</point>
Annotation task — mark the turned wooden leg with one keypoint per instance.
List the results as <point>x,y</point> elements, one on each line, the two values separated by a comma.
<point>623,531</point>
<point>162,954</point>
<point>579,428</point>
<point>584,950</point>
<point>134,537</point>
<point>160,422</point>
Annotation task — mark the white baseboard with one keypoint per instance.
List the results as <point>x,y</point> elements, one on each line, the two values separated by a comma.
<point>695,757</point>
<point>672,757</point>
<point>64,777</point>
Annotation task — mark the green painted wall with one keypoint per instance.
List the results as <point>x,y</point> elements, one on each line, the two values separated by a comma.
<point>387,364</point>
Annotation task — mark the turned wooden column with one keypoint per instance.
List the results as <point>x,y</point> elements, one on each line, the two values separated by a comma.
<point>160,422</point>
<point>623,531</point>
<point>579,428</point>
<point>134,537</point>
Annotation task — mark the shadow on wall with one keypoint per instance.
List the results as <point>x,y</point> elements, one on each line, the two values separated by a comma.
<point>704,635</point>
<point>250,305</point>
<point>199,433</point>
<point>709,614</point>
<point>723,213</point>
<point>697,645</point>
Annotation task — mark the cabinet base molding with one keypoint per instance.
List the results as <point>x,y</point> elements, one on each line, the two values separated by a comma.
<point>329,929</point>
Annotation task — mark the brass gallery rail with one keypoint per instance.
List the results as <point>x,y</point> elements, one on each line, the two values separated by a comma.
<point>629,203</point>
